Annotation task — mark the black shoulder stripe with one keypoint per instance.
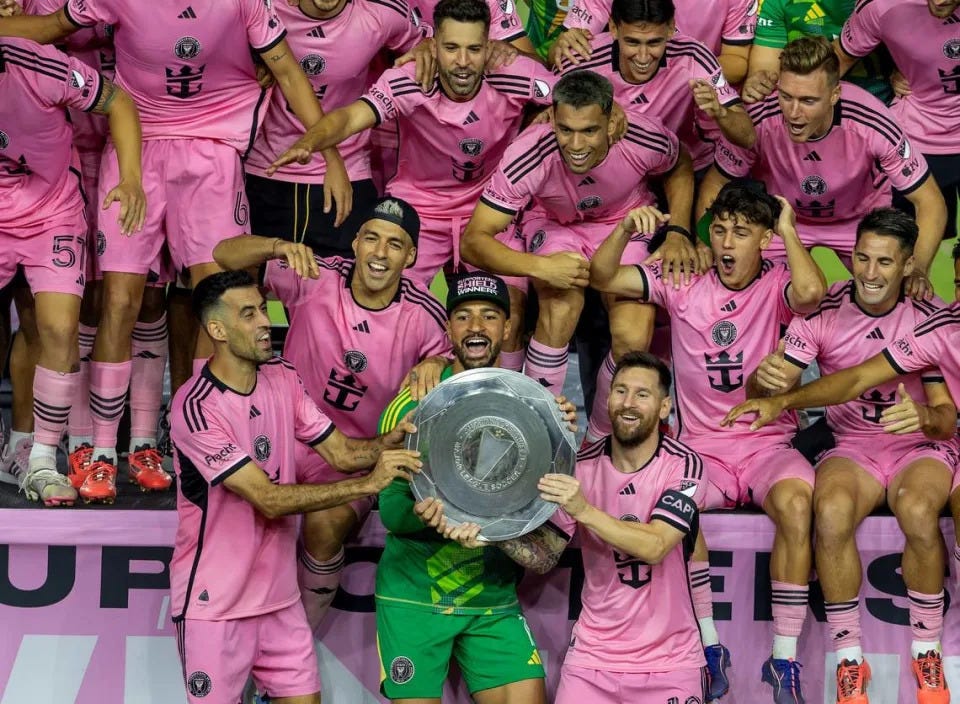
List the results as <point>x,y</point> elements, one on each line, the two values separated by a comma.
<point>398,7</point>
<point>873,120</point>
<point>32,56</point>
<point>544,146</point>
<point>592,450</point>
<point>944,316</point>
<point>192,405</point>
<point>430,305</point>
<point>35,68</point>
<point>705,63</point>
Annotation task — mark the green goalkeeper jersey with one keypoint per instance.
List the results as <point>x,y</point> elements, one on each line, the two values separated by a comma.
<point>545,22</point>
<point>420,569</point>
<point>782,21</point>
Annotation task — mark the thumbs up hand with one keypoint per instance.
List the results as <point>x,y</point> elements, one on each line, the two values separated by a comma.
<point>906,416</point>
<point>772,373</point>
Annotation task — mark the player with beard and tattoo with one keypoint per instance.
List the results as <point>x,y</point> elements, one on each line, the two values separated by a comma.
<point>441,592</point>
<point>636,498</point>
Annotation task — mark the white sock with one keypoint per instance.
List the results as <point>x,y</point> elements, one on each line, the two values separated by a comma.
<point>784,647</point>
<point>919,647</point>
<point>43,452</point>
<point>708,631</point>
<point>77,440</point>
<point>109,452</point>
<point>142,442</point>
<point>853,653</point>
<point>15,437</point>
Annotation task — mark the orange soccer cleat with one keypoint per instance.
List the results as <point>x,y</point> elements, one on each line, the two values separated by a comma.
<point>100,484</point>
<point>931,685</point>
<point>146,470</point>
<point>852,679</point>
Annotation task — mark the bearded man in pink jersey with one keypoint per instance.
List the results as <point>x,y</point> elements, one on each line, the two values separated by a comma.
<point>894,448</point>
<point>929,111</point>
<point>344,316</point>
<point>637,493</point>
<point>835,152</point>
<point>722,324</point>
<point>235,427</point>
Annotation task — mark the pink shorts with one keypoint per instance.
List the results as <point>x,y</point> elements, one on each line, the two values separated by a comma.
<point>582,685</point>
<point>743,470</point>
<point>276,648</point>
<point>313,469</point>
<point>544,236</point>
<point>195,199</point>
<point>53,261</point>
<point>884,457</point>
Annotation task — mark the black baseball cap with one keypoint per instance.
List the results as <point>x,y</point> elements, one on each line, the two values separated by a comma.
<point>399,212</point>
<point>477,286</point>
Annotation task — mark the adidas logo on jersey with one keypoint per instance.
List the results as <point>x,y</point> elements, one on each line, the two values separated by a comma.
<point>203,596</point>
<point>255,412</point>
<point>812,156</point>
<point>147,354</point>
<point>640,100</point>
<point>729,307</point>
<point>588,181</point>
<point>875,334</point>
<point>628,490</point>
<point>471,118</point>
<point>814,15</point>
<point>535,659</point>
<point>362,327</point>
<point>316,32</point>
<point>187,14</point>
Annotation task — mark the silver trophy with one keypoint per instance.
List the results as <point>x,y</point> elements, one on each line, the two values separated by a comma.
<point>485,437</point>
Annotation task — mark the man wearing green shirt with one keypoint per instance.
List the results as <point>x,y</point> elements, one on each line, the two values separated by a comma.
<point>440,592</point>
<point>781,21</point>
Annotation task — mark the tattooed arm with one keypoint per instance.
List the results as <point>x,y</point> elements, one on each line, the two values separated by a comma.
<point>125,132</point>
<point>354,454</point>
<point>538,551</point>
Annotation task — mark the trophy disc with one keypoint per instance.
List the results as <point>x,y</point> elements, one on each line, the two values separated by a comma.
<point>486,436</point>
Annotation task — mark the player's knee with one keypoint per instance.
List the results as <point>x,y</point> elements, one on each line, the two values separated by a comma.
<point>121,305</point>
<point>834,515</point>
<point>154,304</point>
<point>58,334</point>
<point>918,514</point>
<point>793,507</point>
<point>323,535</point>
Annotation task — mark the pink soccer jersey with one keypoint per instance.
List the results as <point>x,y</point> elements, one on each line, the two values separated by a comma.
<point>834,181</point>
<point>39,166</point>
<point>532,169</point>
<point>840,335</point>
<point>188,66</point>
<point>229,562</point>
<point>353,359</point>
<point>933,344</point>
<point>454,146</point>
<point>718,337</point>
<point>505,24</point>
<point>926,50</point>
<point>693,18</point>
<point>667,95</point>
<point>637,617</point>
<point>335,54</point>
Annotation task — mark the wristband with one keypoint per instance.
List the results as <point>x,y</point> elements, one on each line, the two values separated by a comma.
<point>682,230</point>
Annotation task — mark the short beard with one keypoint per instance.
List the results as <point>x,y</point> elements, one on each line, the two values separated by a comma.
<point>476,363</point>
<point>636,437</point>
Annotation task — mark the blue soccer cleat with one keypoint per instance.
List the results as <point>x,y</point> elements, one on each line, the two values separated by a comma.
<point>784,677</point>
<point>718,660</point>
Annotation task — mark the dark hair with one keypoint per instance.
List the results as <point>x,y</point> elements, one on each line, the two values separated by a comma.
<point>207,293</point>
<point>749,199</point>
<point>891,222</point>
<point>462,11</point>
<point>580,89</point>
<point>642,11</point>
<point>805,55</point>
<point>645,360</point>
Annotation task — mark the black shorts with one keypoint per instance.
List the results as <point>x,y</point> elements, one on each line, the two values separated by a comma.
<point>294,212</point>
<point>945,169</point>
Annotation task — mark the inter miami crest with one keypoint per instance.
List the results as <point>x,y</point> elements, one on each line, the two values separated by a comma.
<point>589,203</point>
<point>471,147</point>
<point>537,240</point>
<point>187,48</point>
<point>951,49</point>
<point>313,64</point>
<point>262,448</point>
<point>4,140</point>
<point>199,684</point>
<point>813,186</point>
<point>355,360</point>
<point>101,243</point>
<point>401,669</point>
<point>724,333</point>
